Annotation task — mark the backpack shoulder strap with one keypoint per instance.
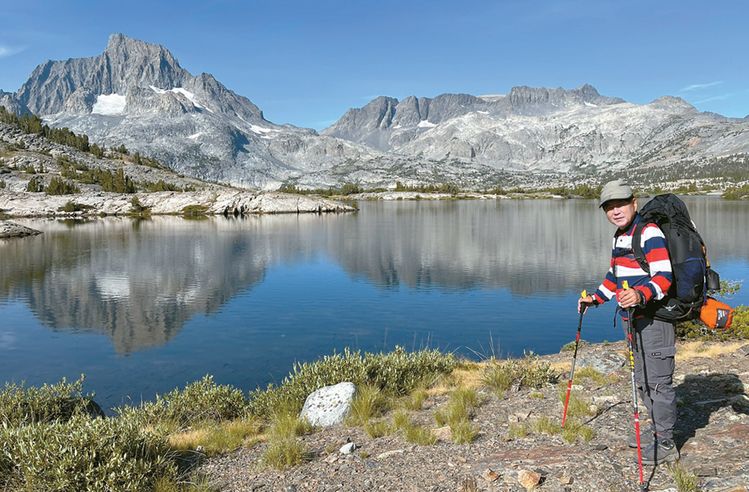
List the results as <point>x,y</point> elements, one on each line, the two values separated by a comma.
<point>637,247</point>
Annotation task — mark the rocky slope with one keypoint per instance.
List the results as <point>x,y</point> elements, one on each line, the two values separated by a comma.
<point>26,158</point>
<point>711,433</point>
<point>544,129</point>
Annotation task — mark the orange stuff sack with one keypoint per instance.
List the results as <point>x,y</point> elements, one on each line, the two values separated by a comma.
<point>716,314</point>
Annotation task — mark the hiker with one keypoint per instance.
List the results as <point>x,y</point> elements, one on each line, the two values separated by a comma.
<point>655,339</point>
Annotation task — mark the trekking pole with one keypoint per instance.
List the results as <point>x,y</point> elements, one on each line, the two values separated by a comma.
<point>631,343</point>
<point>583,295</point>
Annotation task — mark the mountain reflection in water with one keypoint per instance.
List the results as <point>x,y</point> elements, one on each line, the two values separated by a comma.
<point>140,283</point>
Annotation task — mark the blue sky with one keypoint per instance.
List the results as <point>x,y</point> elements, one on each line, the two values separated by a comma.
<point>307,62</point>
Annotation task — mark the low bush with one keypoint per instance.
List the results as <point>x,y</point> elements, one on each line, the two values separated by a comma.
<point>457,413</point>
<point>378,428</point>
<point>217,438</point>
<point>737,193</point>
<point>201,401</point>
<point>528,372</point>
<point>195,211</point>
<point>369,402</point>
<point>739,330</point>
<point>71,207</point>
<point>395,373</point>
<point>83,454</point>
<point>62,401</point>
<point>137,209</point>
<point>35,185</point>
<point>58,186</point>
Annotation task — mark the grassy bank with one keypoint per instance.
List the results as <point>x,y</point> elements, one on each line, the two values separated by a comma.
<point>53,437</point>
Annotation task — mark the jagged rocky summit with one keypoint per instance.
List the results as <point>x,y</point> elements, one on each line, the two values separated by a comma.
<point>137,94</point>
<point>544,129</point>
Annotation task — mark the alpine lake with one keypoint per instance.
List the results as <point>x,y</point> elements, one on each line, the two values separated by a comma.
<point>142,307</point>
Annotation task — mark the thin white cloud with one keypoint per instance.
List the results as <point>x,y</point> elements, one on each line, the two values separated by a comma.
<point>6,50</point>
<point>695,87</point>
<point>715,98</point>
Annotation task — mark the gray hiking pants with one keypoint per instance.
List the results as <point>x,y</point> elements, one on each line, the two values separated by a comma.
<point>654,372</point>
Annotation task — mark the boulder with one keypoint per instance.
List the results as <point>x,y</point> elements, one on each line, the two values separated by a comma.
<point>329,405</point>
<point>605,363</point>
<point>9,229</point>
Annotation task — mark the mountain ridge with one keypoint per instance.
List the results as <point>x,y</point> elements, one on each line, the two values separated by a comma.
<point>136,93</point>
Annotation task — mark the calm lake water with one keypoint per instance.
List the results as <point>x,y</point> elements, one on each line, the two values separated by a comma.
<point>143,307</point>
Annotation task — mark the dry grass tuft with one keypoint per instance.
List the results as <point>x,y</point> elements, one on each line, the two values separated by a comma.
<point>693,350</point>
<point>218,438</point>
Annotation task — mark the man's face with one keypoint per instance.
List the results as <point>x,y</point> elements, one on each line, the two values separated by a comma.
<point>620,212</point>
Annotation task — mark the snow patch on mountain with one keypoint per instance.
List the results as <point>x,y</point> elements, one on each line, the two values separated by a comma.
<point>109,104</point>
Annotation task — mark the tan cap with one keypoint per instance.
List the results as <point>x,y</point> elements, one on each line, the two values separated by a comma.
<point>615,190</point>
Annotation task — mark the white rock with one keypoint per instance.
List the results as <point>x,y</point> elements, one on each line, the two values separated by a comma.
<point>329,405</point>
<point>347,448</point>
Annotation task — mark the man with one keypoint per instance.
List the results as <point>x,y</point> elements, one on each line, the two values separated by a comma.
<point>656,346</point>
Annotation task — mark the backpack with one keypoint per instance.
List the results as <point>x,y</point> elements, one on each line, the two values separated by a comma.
<point>692,275</point>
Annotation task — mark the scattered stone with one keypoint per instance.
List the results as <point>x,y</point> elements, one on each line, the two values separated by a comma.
<point>347,448</point>
<point>705,471</point>
<point>605,363</point>
<point>490,475</point>
<point>529,479</point>
<point>600,447</point>
<point>517,417</point>
<point>565,478</point>
<point>329,405</point>
<point>290,488</point>
<point>444,434</point>
<point>331,458</point>
<point>387,454</point>
<point>605,400</point>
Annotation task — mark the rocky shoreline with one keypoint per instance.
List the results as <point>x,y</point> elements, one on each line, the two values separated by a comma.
<point>711,381</point>
<point>10,230</point>
<point>211,202</point>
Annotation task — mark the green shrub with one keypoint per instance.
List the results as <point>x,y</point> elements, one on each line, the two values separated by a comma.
<point>528,372</point>
<point>415,400</point>
<point>137,209</point>
<point>83,454</point>
<point>159,185</point>
<point>739,329</point>
<point>58,186</point>
<point>417,434</point>
<point>284,453</point>
<point>201,401</point>
<point>464,433</point>
<point>737,193</point>
<point>48,403</point>
<point>395,373</point>
<point>378,428</point>
<point>35,185</point>
<point>194,211</point>
<point>71,207</point>
<point>368,402</point>
<point>685,480</point>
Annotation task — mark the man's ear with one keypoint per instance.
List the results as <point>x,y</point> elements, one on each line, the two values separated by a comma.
<point>634,201</point>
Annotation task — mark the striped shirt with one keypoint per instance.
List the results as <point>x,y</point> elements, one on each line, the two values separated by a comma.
<point>624,266</point>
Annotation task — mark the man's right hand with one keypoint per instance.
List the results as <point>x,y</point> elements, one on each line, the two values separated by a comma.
<point>583,303</point>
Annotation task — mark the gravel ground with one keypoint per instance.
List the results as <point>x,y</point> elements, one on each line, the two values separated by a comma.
<point>712,432</point>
